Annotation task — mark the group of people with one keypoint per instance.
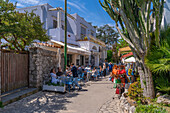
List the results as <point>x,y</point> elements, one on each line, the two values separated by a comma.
<point>122,76</point>
<point>123,73</point>
<point>76,73</point>
<point>72,72</point>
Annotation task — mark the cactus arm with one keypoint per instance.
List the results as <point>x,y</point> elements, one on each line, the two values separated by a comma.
<point>125,38</point>
<point>148,24</point>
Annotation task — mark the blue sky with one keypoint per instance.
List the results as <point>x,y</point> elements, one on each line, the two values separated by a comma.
<point>88,9</point>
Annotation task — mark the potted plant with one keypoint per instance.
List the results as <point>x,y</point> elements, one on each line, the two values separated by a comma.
<point>59,87</point>
<point>85,38</point>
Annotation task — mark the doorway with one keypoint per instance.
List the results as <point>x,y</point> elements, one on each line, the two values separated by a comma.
<point>69,59</point>
<point>81,60</point>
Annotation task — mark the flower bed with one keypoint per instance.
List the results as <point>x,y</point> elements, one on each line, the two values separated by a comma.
<point>54,87</point>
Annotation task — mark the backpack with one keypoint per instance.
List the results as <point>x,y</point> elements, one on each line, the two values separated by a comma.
<point>129,72</point>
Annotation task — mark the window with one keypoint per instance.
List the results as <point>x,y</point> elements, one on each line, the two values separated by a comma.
<point>81,60</point>
<point>62,26</point>
<point>83,32</point>
<point>92,33</point>
<point>54,24</point>
<point>77,62</point>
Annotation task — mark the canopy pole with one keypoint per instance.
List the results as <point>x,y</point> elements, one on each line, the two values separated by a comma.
<point>65,43</point>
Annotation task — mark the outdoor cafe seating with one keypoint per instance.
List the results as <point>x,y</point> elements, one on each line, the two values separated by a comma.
<point>67,81</point>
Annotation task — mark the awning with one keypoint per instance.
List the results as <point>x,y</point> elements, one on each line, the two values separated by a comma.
<point>127,55</point>
<point>131,59</point>
<point>72,49</point>
<point>124,49</point>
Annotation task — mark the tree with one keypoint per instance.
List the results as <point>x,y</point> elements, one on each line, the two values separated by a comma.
<point>19,30</point>
<point>108,35</point>
<point>109,55</point>
<point>122,43</point>
<point>135,21</point>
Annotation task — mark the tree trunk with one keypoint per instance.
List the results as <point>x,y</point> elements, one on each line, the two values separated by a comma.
<point>145,76</point>
<point>146,80</point>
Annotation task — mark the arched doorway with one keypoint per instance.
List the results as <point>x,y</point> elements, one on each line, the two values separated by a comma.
<point>94,48</point>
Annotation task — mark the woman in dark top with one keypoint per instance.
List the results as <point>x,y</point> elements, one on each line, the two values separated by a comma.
<point>59,73</point>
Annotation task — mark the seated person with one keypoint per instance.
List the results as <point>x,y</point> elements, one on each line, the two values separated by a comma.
<point>68,72</point>
<point>94,73</point>
<point>53,76</point>
<point>59,73</point>
<point>79,71</point>
<point>85,73</point>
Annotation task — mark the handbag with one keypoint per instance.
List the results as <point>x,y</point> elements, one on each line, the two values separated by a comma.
<point>117,90</point>
<point>112,79</point>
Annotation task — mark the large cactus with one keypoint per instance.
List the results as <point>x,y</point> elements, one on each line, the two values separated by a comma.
<point>135,21</point>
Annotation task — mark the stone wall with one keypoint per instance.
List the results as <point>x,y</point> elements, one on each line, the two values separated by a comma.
<point>41,61</point>
<point>125,107</point>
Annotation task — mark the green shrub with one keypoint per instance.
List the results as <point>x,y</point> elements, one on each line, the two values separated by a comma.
<point>1,104</point>
<point>162,84</point>
<point>135,92</point>
<point>158,61</point>
<point>149,109</point>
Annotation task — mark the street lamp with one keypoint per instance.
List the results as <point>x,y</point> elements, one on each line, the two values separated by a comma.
<point>65,43</point>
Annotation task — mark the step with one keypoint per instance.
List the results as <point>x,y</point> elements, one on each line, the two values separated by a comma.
<point>12,97</point>
<point>13,91</point>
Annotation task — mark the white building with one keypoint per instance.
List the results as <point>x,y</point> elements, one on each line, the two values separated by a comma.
<point>166,14</point>
<point>83,47</point>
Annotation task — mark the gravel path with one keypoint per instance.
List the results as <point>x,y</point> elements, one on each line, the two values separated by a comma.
<point>96,97</point>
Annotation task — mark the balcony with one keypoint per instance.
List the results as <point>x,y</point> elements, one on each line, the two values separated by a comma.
<point>57,34</point>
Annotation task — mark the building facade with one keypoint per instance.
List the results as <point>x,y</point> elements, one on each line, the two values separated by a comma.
<point>83,47</point>
<point>166,14</point>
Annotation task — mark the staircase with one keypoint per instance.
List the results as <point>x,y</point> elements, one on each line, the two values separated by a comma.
<point>17,94</point>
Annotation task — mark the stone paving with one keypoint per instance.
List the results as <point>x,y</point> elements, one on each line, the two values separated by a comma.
<point>96,97</point>
<point>111,106</point>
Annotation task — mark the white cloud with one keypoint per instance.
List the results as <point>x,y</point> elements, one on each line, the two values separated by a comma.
<point>78,5</point>
<point>111,24</point>
<point>29,1</point>
<point>20,5</point>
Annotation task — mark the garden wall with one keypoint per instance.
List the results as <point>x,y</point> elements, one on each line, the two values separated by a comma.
<point>41,61</point>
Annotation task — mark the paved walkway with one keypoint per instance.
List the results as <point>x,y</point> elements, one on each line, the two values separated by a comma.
<point>96,97</point>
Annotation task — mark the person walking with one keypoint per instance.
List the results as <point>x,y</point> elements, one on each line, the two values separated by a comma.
<point>75,76</point>
<point>104,69</point>
<point>110,68</point>
<point>130,74</point>
<point>101,71</point>
<point>107,65</point>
